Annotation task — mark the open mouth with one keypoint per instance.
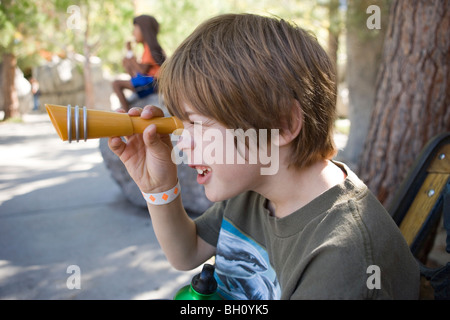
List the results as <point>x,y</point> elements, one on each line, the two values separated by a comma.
<point>203,173</point>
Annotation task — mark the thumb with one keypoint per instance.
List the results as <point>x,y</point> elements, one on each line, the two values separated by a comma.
<point>153,141</point>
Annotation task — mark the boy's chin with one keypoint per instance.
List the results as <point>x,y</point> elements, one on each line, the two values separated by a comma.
<point>215,196</point>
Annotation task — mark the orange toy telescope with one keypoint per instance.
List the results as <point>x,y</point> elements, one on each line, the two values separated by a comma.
<point>75,123</point>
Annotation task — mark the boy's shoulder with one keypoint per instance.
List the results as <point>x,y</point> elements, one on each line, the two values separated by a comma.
<point>351,188</point>
<point>349,203</point>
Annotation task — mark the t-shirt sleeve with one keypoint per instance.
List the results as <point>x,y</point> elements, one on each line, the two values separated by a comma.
<point>209,223</point>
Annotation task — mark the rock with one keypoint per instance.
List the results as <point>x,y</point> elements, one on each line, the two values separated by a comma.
<point>61,82</point>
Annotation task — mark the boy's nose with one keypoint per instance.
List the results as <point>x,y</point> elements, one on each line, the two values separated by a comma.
<point>185,142</point>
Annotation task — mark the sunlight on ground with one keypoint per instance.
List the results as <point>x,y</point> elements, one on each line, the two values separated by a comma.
<point>20,152</point>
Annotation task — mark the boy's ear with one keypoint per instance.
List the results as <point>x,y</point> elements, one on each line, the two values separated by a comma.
<point>292,125</point>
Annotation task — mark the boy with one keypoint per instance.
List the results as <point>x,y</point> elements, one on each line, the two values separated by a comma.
<point>310,230</point>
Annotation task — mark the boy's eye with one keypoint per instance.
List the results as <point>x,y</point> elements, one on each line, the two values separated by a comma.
<point>199,123</point>
<point>195,123</point>
<point>190,124</point>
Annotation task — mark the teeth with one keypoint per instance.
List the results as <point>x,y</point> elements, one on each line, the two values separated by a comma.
<point>203,171</point>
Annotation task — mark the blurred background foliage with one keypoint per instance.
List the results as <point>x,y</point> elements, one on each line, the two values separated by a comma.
<point>35,29</point>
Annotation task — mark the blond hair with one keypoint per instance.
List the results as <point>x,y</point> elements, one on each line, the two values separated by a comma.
<point>246,71</point>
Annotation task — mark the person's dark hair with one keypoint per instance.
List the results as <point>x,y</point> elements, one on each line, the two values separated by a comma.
<point>150,28</point>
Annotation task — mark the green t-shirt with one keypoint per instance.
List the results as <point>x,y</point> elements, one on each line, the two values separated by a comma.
<point>341,245</point>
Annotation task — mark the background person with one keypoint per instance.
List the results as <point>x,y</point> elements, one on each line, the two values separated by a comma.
<point>144,73</point>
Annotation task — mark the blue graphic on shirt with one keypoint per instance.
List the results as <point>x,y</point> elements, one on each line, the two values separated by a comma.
<point>243,270</point>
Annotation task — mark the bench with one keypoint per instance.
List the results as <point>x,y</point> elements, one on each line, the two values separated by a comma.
<point>422,200</point>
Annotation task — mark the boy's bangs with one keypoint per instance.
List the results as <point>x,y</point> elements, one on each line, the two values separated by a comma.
<point>172,91</point>
<point>184,87</point>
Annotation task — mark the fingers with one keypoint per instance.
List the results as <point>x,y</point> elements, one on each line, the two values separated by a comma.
<point>147,112</point>
<point>120,110</point>
<point>135,112</point>
<point>151,138</point>
<point>116,145</point>
<point>151,111</point>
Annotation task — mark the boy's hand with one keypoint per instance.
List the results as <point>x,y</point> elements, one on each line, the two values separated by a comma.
<point>147,156</point>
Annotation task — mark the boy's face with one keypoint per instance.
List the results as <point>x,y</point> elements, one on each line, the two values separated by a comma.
<point>211,150</point>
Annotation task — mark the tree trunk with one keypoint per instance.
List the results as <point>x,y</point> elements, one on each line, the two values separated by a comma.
<point>10,98</point>
<point>364,49</point>
<point>88,84</point>
<point>412,93</point>
<point>334,30</point>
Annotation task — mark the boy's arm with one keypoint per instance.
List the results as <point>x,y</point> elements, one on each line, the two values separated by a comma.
<point>147,158</point>
<point>177,235</point>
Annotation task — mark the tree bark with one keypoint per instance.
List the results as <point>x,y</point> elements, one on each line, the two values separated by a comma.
<point>10,98</point>
<point>88,84</point>
<point>412,101</point>
<point>364,50</point>
<point>334,31</point>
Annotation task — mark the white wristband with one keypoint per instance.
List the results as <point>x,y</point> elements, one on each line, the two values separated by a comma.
<point>163,197</point>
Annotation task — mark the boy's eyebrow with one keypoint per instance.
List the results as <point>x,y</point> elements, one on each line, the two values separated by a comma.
<point>190,113</point>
